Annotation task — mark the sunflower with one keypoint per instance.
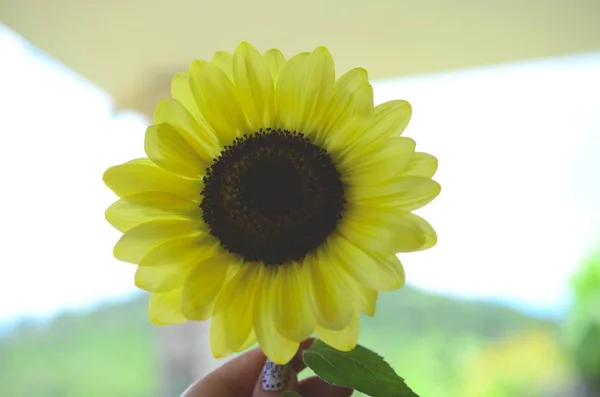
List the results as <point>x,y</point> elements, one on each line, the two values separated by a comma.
<point>273,201</point>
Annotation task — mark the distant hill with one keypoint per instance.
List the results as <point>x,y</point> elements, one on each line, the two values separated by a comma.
<point>110,351</point>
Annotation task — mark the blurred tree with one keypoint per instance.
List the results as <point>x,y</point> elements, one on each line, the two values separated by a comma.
<point>582,330</point>
<point>528,364</point>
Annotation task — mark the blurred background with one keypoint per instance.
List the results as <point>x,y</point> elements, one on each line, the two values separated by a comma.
<point>505,94</point>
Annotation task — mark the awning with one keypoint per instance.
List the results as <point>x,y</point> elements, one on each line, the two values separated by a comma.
<point>130,48</point>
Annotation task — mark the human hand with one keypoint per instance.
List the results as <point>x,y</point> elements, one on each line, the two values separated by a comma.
<point>253,375</point>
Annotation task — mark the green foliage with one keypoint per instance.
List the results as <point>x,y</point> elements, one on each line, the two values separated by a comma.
<point>583,322</point>
<point>360,369</point>
<point>290,394</point>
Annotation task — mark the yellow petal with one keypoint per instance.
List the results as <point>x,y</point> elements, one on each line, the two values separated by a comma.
<point>379,166</point>
<point>352,102</point>
<point>287,92</point>
<point>203,284</point>
<point>218,343</point>
<point>304,89</point>
<point>387,230</point>
<point>391,265</point>
<point>182,93</point>
<point>384,237</point>
<point>142,176</point>
<point>328,299</point>
<point>216,97</point>
<point>139,208</point>
<point>165,308</point>
<point>231,322</point>
<point>343,340</point>
<point>291,305</point>
<point>363,298</point>
<point>224,61</point>
<point>353,90</point>
<point>406,227</point>
<point>275,61</point>
<point>422,164</point>
<point>254,86</point>
<point>366,300</point>
<point>370,230</point>
<point>169,150</point>
<point>272,343</point>
<point>167,266</point>
<point>375,271</point>
<point>196,131</point>
<point>160,278</point>
<point>138,241</point>
<point>249,342</point>
<point>405,193</point>
<point>390,119</point>
<point>180,252</point>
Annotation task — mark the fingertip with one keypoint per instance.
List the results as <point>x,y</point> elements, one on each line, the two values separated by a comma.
<point>297,362</point>
<point>235,377</point>
<point>306,343</point>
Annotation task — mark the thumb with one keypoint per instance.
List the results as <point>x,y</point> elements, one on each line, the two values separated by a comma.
<point>274,379</point>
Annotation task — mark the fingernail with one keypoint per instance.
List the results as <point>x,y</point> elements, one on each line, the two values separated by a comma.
<point>275,376</point>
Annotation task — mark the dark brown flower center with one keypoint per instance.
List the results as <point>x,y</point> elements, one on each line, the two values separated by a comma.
<point>272,197</point>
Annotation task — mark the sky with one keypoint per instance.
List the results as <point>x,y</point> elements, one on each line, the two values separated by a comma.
<point>516,144</point>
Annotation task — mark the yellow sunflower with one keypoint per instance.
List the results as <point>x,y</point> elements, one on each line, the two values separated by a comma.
<point>273,201</point>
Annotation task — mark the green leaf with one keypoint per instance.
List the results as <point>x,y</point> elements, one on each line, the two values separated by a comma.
<point>290,393</point>
<point>360,369</point>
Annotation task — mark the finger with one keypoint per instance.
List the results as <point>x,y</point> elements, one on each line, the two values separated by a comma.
<point>297,363</point>
<point>275,379</point>
<point>233,379</point>
<point>237,377</point>
<point>317,387</point>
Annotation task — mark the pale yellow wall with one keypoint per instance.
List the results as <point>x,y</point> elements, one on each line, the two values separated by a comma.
<point>130,47</point>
